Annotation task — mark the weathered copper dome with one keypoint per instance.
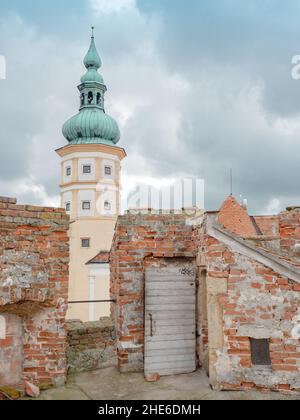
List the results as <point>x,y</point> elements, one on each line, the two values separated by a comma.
<point>92,124</point>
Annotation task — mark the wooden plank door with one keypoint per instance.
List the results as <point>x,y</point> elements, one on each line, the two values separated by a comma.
<point>170,317</point>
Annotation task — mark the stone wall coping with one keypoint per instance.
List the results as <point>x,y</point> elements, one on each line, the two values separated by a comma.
<point>292,208</point>
<point>80,326</point>
<point>8,200</point>
<point>11,204</point>
<point>137,217</point>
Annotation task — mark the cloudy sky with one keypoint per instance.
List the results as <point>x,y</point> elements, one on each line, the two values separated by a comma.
<point>197,86</point>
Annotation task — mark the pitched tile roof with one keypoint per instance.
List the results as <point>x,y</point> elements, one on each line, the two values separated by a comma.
<point>233,217</point>
<point>103,257</point>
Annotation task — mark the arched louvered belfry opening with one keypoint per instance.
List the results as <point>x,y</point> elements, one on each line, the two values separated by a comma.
<point>90,98</point>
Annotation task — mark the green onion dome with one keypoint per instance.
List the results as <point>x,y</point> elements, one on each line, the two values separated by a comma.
<point>92,76</point>
<point>92,124</point>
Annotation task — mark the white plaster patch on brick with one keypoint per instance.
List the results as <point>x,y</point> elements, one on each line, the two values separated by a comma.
<point>253,298</point>
<point>259,332</point>
<point>2,328</point>
<point>265,376</point>
<point>296,330</point>
<point>127,346</point>
<point>226,367</point>
<point>8,282</point>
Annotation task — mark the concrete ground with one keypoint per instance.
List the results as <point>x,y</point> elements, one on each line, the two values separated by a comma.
<point>109,384</point>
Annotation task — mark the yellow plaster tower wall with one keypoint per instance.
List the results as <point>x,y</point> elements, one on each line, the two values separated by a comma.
<point>90,192</point>
<point>96,224</point>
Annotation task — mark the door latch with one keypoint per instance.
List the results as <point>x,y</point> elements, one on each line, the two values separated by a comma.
<point>151,324</point>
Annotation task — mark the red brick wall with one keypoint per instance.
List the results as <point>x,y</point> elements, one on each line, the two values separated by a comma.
<point>233,217</point>
<point>269,225</point>
<point>259,304</point>
<point>138,237</point>
<point>91,345</point>
<point>34,256</point>
<point>289,226</point>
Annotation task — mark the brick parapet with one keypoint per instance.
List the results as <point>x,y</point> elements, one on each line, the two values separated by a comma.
<point>258,303</point>
<point>34,257</point>
<point>91,345</point>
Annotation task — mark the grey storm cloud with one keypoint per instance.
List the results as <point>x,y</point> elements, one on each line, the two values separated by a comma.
<point>198,88</point>
<point>36,98</point>
<point>257,37</point>
<point>243,110</point>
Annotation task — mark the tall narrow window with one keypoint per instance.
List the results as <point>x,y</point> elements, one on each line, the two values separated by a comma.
<point>98,98</point>
<point>260,352</point>
<point>90,98</point>
<point>108,170</point>
<point>107,205</point>
<point>82,99</point>
<point>69,171</point>
<point>68,207</point>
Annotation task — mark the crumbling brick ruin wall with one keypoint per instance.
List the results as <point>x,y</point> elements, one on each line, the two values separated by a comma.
<point>91,345</point>
<point>268,225</point>
<point>289,225</point>
<point>34,256</point>
<point>248,296</point>
<point>138,237</point>
<point>248,301</point>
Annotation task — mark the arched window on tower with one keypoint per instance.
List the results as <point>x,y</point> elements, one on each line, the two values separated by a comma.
<point>82,99</point>
<point>90,98</point>
<point>98,98</point>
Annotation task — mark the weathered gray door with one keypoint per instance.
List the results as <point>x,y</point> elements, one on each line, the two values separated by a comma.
<point>170,317</point>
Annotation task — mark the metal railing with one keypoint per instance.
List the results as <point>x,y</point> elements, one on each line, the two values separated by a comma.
<point>91,301</point>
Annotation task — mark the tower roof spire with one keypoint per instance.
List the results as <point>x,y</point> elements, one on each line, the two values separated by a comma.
<point>92,125</point>
<point>92,58</point>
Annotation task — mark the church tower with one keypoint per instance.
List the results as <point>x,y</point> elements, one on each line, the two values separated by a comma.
<point>90,192</point>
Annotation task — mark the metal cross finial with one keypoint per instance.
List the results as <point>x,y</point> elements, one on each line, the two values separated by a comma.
<point>93,27</point>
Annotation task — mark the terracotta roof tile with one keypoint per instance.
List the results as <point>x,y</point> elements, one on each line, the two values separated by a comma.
<point>103,257</point>
<point>234,218</point>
